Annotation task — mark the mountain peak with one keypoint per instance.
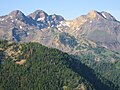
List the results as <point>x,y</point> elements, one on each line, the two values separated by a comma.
<point>92,14</point>
<point>95,14</point>
<point>38,15</point>
<point>17,14</point>
<point>93,11</point>
<point>38,12</point>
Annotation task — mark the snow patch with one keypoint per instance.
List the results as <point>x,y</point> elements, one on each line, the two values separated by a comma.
<point>104,15</point>
<point>11,17</point>
<point>60,29</point>
<point>59,25</point>
<point>2,19</point>
<point>51,21</point>
<point>41,19</point>
<point>90,21</point>
<point>52,26</point>
<point>65,23</point>
<point>28,33</point>
<point>21,27</point>
<point>61,22</point>
<point>12,20</point>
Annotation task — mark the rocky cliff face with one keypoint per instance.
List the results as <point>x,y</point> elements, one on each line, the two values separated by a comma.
<point>100,27</point>
<point>44,20</point>
<point>54,31</point>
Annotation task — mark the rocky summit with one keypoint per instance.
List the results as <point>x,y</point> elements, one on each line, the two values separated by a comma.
<point>54,31</point>
<point>100,27</point>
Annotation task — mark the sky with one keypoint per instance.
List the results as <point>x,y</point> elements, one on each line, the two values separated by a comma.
<point>69,9</point>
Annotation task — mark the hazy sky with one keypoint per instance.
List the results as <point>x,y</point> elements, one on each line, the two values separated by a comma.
<point>69,9</point>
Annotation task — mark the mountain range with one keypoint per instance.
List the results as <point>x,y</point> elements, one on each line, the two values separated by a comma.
<point>54,31</point>
<point>93,39</point>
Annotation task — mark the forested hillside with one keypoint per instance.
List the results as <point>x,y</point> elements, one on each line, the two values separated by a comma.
<point>32,66</point>
<point>103,61</point>
<point>38,68</point>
